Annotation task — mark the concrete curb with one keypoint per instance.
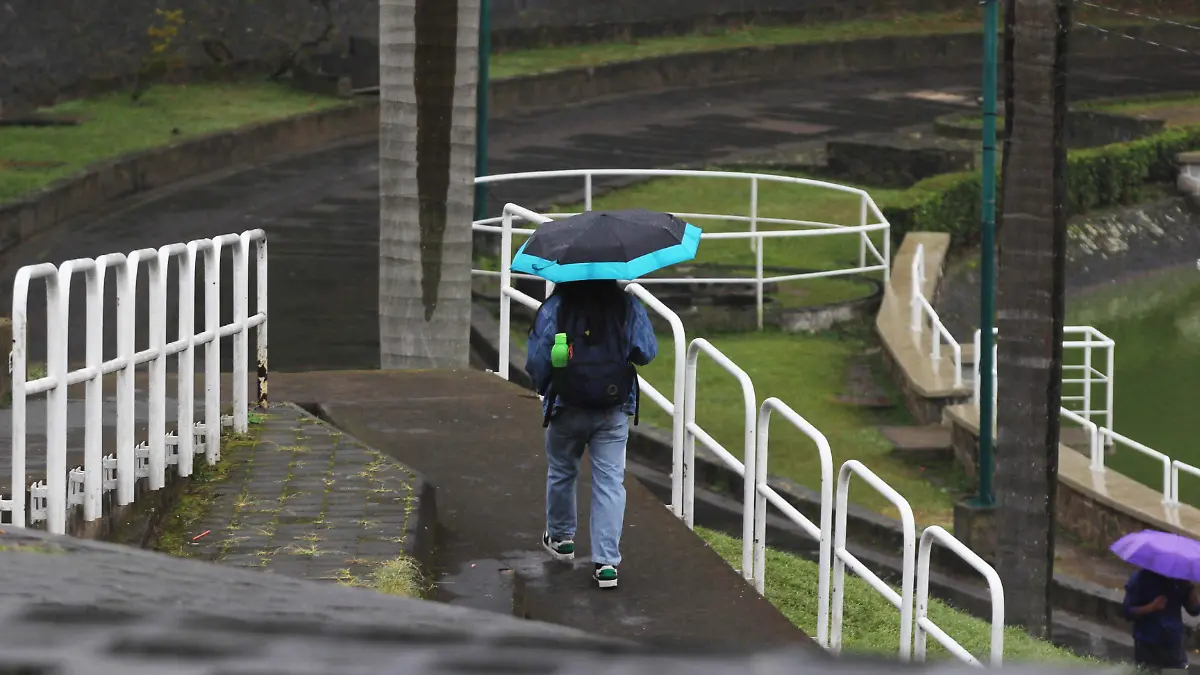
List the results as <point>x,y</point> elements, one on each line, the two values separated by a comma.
<point>552,90</point>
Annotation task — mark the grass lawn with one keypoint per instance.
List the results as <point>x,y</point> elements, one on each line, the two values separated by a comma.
<point>547,59</point>
<point>33,157</point>
<point>806,372</point>
<point>871,624</point>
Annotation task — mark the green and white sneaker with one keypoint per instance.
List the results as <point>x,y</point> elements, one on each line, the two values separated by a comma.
<point>605,576</point>
<point>561,550</point>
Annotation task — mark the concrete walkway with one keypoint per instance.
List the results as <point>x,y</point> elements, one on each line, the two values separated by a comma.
<point>304,500</point>
<point>321,210</point>
<point>478,440</point>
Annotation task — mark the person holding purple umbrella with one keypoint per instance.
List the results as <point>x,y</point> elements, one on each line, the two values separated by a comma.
<point>1157,594</point>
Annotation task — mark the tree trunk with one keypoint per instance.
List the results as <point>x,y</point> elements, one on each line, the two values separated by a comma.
<point>1030,309</point>
<point>428,71</point>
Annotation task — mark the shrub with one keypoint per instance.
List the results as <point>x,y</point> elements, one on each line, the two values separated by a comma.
<point>1096,178</point>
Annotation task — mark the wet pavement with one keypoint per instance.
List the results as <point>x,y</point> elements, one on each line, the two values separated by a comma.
<point>321,210</point>
<point>478,440</point>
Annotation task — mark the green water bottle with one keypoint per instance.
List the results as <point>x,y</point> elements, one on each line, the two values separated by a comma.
<point>560,352</point>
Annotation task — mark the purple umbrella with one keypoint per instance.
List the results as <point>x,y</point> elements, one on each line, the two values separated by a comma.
<point>1168,554</point>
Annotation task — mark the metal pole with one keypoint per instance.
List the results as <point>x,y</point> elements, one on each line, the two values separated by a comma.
<point>987,289</point>
<point>483,88</point>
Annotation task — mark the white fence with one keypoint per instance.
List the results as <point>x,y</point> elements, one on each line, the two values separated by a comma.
<point>903,601</point>
<point>1097,422</point>
<point>833,556</point>
<point>920,311</point>
<point>935,534</point>
<point>50,499</point>
<point>871,258</point>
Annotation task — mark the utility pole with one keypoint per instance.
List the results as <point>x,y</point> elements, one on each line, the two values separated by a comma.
<point>481,105</point>
<point>987,254</point>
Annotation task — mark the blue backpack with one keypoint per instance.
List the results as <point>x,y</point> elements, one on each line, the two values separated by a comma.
<point>598,374</point>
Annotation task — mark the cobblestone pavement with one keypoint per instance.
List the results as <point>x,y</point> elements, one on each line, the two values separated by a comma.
<point>304,500</point>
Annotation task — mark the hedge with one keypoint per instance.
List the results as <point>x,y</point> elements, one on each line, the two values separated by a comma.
<point>1101,177</point>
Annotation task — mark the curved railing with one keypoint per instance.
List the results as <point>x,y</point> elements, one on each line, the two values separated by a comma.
<point>871,258</point>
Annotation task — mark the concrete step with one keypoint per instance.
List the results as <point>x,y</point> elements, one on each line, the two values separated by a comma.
<point>931,441</point>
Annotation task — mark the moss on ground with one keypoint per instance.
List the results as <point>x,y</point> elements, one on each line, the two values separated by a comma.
<point>198,496</point>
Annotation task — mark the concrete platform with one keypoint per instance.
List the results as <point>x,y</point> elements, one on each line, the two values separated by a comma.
<point>478,440</point>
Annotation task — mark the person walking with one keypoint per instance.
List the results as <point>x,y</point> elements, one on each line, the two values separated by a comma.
<point>1154,603</point>
<point>583,348</point>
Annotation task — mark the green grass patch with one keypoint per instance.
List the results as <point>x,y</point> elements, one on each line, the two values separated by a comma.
<point>113,124</point>
<point>871,624</point>
<point>400,576</point>
<point>548,59</point>
<point>806,372</point>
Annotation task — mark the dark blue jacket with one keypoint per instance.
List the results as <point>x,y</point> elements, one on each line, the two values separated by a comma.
<point>644,345</point>
<point>1164,627</point>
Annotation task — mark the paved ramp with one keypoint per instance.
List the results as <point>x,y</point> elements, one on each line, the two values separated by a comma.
<point>478,439</point>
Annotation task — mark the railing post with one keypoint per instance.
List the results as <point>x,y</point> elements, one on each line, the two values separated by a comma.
<point>1087,375</point>
<point>862,236</point>
<point>755,244</point>
<point>1110,375</point>
<point>260,307</point>
<point>185,361</point>
<point>157,389</point>
<point>241,298</point>
<point>56,409</point>
<point>914,293</point>
<point>687,477</point>
<point>93,442</point>
<point>126,317</point>
<point>505,283</point>
<point>212,353</point>
<point>587,192</point>
<point>20,331</point>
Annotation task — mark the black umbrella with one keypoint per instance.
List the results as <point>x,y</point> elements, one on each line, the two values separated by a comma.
<point>607,245</point>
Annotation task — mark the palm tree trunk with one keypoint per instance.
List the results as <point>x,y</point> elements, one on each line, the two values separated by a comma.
<point>428,70</point>
<point>1030,309</point>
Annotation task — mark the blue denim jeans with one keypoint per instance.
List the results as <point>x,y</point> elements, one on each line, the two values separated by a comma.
<point>605,433</point>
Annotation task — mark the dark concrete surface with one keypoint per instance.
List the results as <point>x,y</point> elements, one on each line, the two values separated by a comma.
<point>321,210</point>
<point>131,612</point>
<point>478,440</point>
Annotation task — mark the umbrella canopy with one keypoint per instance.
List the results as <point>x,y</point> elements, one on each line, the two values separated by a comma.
<point>607,245</point>
<point>1168,554</point>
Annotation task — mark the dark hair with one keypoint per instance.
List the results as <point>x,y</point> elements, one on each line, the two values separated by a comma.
<point>602,304</point>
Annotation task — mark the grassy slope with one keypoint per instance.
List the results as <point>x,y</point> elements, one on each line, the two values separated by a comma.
<point>871,623</point>
<point>114,125</point>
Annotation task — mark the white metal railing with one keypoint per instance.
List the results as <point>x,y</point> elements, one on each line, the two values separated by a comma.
<point>924,626</point>
<point>766,494</point>
<point>694,431</point>
<point>833,556</point>
<point>671,407</point>
<point>843,558</point>
<point>84,486</point>
<point>1081,403</point>
<point>1101,436</point>
<point>871,258</point>
<point>920,311</point>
